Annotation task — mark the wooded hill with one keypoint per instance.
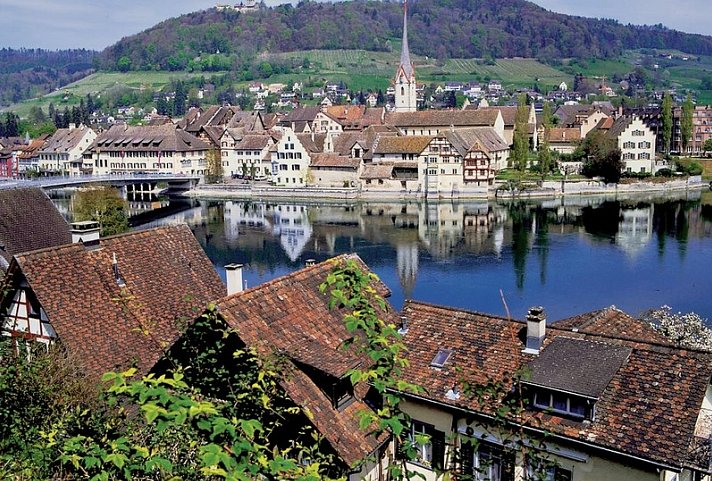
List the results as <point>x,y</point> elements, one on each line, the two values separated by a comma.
<point>219,40</point>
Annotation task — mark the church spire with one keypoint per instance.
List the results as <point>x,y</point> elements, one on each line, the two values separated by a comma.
<point>405,64</point>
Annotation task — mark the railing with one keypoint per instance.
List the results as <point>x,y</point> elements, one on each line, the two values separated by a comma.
<point>60,181</point>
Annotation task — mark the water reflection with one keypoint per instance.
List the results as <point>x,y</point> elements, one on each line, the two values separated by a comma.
<point>570,255</point>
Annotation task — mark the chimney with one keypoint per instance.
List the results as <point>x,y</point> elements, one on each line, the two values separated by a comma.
<point>72,126</point>
<point>310,262</point>
<point>86,232</point>
<point>403,327</point>
<point>234,278</point>
<point>536,330</point>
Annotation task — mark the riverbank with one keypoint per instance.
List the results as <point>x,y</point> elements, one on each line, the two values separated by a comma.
<point>549,189</point>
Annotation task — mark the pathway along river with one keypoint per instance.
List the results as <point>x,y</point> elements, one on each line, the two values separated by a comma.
<point>570,256</point>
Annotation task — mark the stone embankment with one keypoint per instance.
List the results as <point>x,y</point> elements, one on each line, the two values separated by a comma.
<point>549,189</point>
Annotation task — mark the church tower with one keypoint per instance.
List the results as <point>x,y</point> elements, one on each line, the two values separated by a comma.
<point>406,96</point>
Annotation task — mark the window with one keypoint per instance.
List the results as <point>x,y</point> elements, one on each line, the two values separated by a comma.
<point>282,166</point>
<point>560,403</point>
<point>432,172</point>
<point>628,145</point>
<point>429,444</point>
<point>638,133</point>
<point>487,461</point>
<point>643,145</point>
<point>441,357</point>
<point>644,156</point>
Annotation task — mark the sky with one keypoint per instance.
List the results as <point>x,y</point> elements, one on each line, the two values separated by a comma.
<point>95,24</point>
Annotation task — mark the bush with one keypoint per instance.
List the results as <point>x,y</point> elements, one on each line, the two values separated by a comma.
<point>664,172</point>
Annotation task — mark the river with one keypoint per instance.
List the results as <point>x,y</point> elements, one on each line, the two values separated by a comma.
<point>568,255</point>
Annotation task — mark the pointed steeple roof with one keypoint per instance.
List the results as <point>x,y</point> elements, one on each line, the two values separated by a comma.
<point>406,66</point>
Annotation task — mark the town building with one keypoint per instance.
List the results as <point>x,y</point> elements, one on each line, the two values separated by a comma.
<point>162,149</point>
<point>701,129</point>
<point>291,157</point>
<point>64,151</point>
<point>637,144</point>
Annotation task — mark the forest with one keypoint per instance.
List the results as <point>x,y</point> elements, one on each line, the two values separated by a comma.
<point>220,40</point>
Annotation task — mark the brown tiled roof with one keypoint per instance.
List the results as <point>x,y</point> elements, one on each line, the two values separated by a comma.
<point>290,315</point>
<point>481,138</point>
<point>612,322</point>
<point>558,135</point>
<point>405,144</point>
<point>29,221</point>
<point>168,279</point>
<point>377,171</point>
<point>443,118</point>
<point>314,143</point>
<point>334,160</point>
<point>346,113</point>
<point>509,114</point>
<point>253,142</point>
<point>300,114</point>
<point>64,140</point>
<point>648,409</point>
<point>33,149</point>
<point>618,127</point>
<point>166,138</point>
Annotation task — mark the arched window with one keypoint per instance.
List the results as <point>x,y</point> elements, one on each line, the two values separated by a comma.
<point>402,90</point>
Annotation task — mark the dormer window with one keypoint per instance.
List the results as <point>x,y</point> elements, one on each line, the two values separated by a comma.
<point>342,393</point>
<point>562,403</point>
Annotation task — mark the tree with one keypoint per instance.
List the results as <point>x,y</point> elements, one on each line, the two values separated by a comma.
<point>544,156</point>
<point>686,123</point>
<point>12,128</point>
<point>179,102</point>
<point>667,122</point>
<point>685,330</point>
<point>602,157</point>
<point>707,146</point>
<point>105,206</point>
<point>123,64</point>
<point>214,168</point>
<point>520,149</point>
<point>37,115</point>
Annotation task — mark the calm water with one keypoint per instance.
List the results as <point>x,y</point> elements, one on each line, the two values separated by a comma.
<point>569,256</point>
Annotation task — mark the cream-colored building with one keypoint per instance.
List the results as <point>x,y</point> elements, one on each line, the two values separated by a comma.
<point>291,157</point>
<point>162,149</point>
<point>605,388</point>
<point>636,142</point>
<point>431,122</point>
<point>64,151</point>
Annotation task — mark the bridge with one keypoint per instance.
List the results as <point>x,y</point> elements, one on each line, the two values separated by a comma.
<point>127,182</point>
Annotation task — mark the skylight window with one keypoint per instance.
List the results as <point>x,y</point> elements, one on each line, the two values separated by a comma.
<point>441,358</point>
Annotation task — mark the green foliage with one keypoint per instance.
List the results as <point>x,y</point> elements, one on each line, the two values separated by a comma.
<point>214,169</point>
<point>104,205</point>
<point>601,157</point>
<point>544,154</point>
<point>520,149</point>
<point>686,123</point>
<point>667,122</point>
<point>707,146</point>
<point>688,166</point>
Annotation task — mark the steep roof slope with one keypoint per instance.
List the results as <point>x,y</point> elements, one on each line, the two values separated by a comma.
<point>29,221</point>
<point>291,316</point>
<point>167,277</point>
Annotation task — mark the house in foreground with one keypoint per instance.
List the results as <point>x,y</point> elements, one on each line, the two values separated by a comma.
<point>112,302</point>
<point>615,400</point>
<point>288,320</point>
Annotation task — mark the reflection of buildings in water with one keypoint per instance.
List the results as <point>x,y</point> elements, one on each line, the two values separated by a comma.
<point>480,221</point>
<point>291,224</point>
<point>634,229</point>
<point>193,217</point>
<point>407,264</point>
<point>136,207</point>
<point>440,227</point>
<point>245,214</point>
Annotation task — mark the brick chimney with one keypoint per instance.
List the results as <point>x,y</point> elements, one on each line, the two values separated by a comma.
<point>234,278</point>
<point>536,330</point>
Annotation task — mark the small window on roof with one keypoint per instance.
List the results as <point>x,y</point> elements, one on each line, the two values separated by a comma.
<point>441,357</point>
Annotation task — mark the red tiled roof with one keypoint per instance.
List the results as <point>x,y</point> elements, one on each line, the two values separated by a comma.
<point>167,275</point>
<point>327,160</point>
<point>648,409</point>
<point>443,118</point>
<point>612,322</point>
<point>291,316</point>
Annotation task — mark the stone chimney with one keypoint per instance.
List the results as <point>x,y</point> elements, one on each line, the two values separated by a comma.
<point>536,330</point>
<point>86,232</point>
<point>234,278</point>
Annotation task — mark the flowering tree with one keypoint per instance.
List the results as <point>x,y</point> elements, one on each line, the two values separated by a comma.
<point>686,330</point>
